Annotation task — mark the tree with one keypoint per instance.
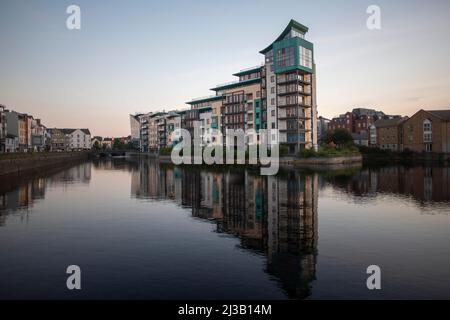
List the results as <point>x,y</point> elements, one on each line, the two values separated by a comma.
<point>117,145</point>
<point>96,145</point>
<point>342,137</point>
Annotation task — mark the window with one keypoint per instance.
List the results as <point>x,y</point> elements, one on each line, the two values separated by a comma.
<point>272,90</point>
<point>272,113</point>
<point>305,57</point>
<point>272,79</point>
<point>285,57</point>
<point>273,125</point>
<point>427,131</point>
<point>272,101</point>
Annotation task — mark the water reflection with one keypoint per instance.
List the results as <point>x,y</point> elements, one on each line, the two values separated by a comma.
<point>424,184</point>
<point>19,194</point>
<point>275,217</point>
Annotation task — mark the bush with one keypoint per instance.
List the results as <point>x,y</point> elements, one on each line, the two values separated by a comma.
<point>307,153</point>
<point>329,152</point>
<point>284,150</point>
<point>165,151</point>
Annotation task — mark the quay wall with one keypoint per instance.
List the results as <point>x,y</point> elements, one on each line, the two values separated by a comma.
<point>17,163</point>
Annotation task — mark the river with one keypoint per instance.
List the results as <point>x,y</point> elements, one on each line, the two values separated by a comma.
<point>143,230</point>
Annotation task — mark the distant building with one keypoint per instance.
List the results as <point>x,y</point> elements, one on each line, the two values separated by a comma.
<point>59,141</point>
<point>96,142</point>
<point>135,126</point>
<point>389,133</point>
<point>322,128</point>
<point>173,124</point>
<point>356,121</point>
<point>107,143</point>
<point>428,131</point>
<point>361,139</point>
<point>79,139</point>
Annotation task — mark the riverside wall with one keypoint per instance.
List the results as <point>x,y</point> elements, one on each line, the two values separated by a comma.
<point>17,163</point>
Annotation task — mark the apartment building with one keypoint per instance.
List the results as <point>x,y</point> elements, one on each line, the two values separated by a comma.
<point>214,104</point>
<point>428,131</point>
<point>173,124</point>
<point>289,88</point>
<point>357,121</point>
<point>241,105</point>
<point>389,133</point>
<point>11,143</point>
<point>59,141</point>
<point>279,94</point>
<point>78,139</point>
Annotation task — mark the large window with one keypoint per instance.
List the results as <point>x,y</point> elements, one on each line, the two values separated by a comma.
<point>285,57</point>
<point>305,57</point>
<point>427,131</point>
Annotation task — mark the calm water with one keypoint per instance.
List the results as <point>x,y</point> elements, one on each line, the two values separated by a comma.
<point>139,229</point>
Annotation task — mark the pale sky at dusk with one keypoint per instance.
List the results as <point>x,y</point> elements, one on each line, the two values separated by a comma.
<point>152,55</point>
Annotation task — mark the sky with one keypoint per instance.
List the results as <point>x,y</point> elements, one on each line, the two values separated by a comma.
<point>141,55</point>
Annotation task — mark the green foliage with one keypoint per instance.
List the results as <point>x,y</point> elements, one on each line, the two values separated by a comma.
<point>118,145</point>
<point>284,150</point>
<point>165,151</point>
<point>328,152</point>
<point>340,137</point>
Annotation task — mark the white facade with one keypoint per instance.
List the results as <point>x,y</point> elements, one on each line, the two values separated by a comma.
<point>79,139</point>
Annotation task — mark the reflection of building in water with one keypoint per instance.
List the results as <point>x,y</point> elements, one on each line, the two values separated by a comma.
<point>151,181</point>
<point>422,183</point>
<point>21,193</point>
<point>77,174</point>
<point>292,231</point>
<point>275,216</point>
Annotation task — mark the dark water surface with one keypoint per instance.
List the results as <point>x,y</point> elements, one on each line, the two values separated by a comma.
<point>138,229</point>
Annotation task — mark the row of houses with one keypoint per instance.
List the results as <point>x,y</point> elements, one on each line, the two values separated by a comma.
<point>425,131</point>
<point>20,132</point>
<point>278,94</point>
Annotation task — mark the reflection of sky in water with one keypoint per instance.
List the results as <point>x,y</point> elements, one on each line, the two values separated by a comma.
<point>140,230</point>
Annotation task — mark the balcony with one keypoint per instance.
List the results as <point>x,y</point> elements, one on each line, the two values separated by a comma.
<point>292,78</point>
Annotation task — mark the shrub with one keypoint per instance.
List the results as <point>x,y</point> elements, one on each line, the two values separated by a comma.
<point>165,151</point>
<point>307,153</point>
<point>284,151</point>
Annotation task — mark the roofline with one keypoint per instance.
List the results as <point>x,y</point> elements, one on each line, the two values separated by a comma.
<point>291,24</point>
<point>204,99</point>
<point>430,112</point>
<point>236,84</point>
<point>244,72</point>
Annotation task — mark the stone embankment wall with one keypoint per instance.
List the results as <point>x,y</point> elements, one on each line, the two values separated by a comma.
<point>16,163</point>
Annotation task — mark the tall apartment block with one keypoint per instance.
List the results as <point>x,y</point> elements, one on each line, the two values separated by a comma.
<point>289,89</point>
<point>279,94</point>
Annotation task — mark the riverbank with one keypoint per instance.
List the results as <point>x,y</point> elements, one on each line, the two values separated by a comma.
<point>18,163</point>
<point>314,163</point>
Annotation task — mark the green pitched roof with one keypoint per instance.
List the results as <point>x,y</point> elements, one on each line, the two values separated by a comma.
<point>292,25</point>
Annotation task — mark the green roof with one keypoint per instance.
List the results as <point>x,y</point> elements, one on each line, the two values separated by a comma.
<point>248,71</point>
<point>204,99</point>
<point>236,84</point>
<point>292,25</point>
<point>203,109</point>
